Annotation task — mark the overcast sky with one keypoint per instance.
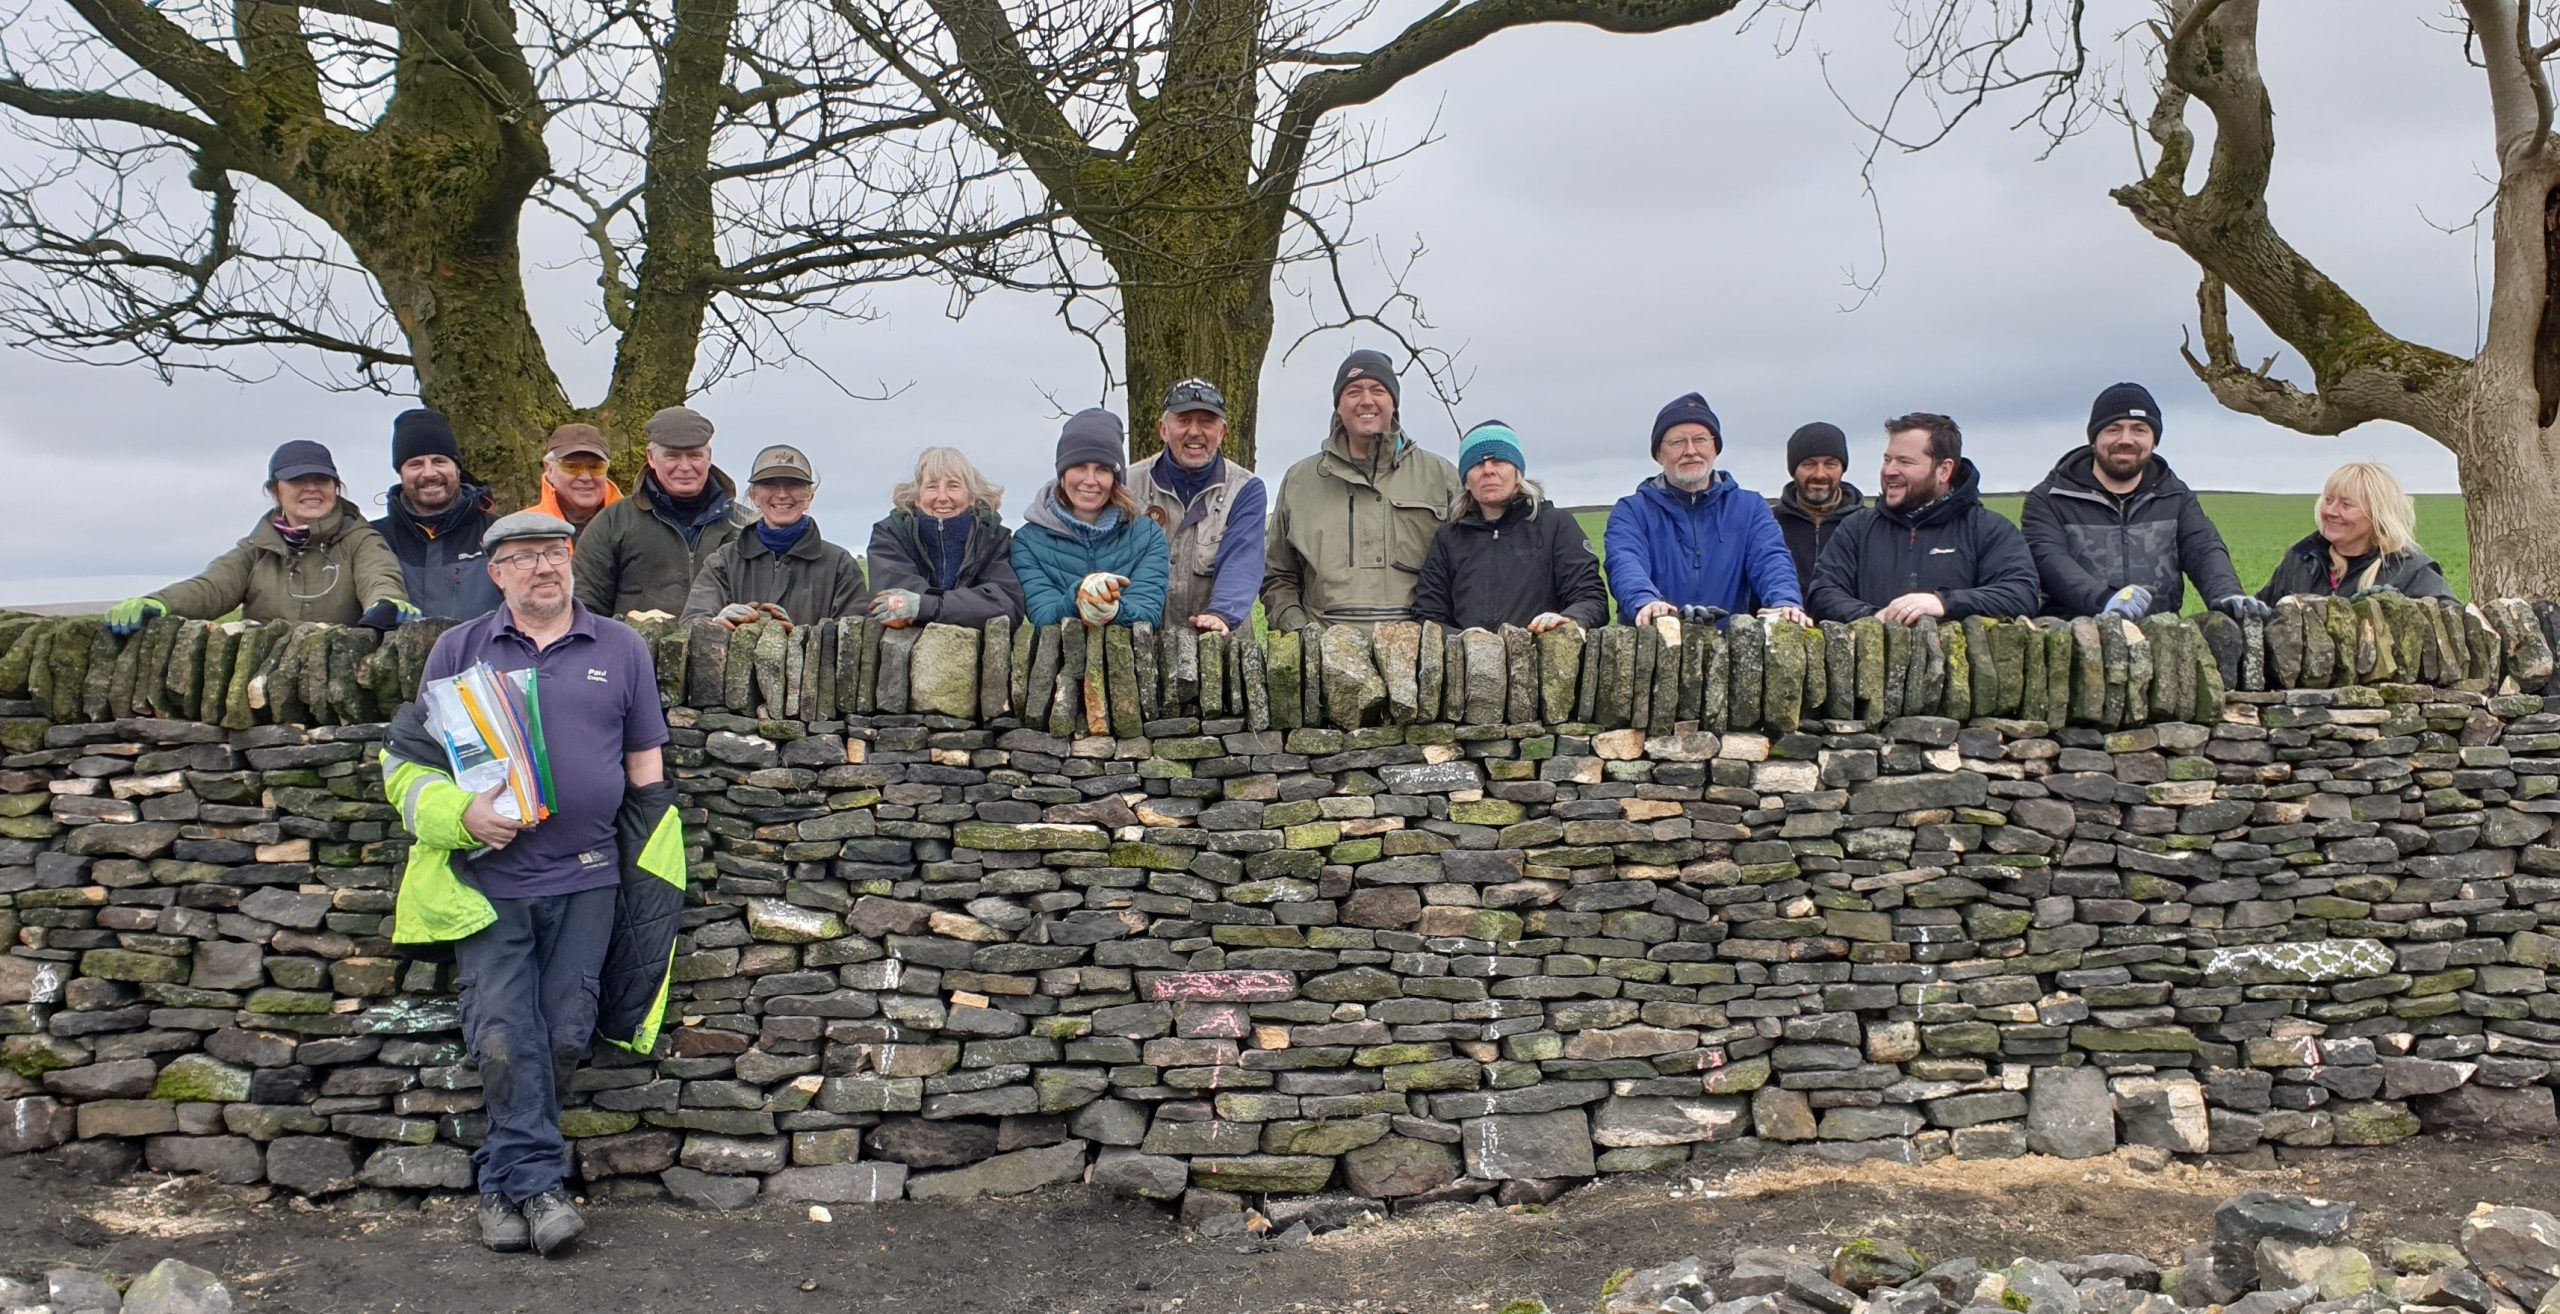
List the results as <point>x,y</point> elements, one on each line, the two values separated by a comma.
<point>1611,221</point>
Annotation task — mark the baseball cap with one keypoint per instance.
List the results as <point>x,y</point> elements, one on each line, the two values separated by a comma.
<point>301,457</point>
<point>781,461</point>
<point>1195,395</point>
<point>573,439</point>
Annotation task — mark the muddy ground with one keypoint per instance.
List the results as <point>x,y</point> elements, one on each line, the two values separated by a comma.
<point>1074,1251</point>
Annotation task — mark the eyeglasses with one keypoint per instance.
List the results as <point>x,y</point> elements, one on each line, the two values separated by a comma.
<point>1690,443</point>
<point>555,555</point>
<point>582,467</point>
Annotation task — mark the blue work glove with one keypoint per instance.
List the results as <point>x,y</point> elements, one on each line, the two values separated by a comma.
<point>133,613</point>
<point>2243,607</point>
<point>896,608</point>
<point>2130,602</point>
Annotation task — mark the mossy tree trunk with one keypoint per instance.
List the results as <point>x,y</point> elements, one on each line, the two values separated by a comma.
<point>2495,410</point>
<point>1187,196</point>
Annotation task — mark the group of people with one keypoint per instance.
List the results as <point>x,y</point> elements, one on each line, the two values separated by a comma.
<point>1371,527</point>
<point>552,949</point>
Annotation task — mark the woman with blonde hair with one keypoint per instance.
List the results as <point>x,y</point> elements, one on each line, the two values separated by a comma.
<point>943,554</point>
<point>2363,540</point>
<point>1085,550</point>
<point>1506,555</point>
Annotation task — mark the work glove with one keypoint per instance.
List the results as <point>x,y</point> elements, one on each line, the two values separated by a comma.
<point>133,613</point>
<point>735,615</point>
<point>773,611</point>
<point>1098,597</point>
<point>1545,621</point>
<point>387,613</point>
<point>2130,602</point>
<point>2243,607</point>
<point>896,608</point>
<point>2377,591</point>
<point>1702,615</point>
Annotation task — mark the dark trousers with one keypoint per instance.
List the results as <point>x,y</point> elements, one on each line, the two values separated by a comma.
<point>528,1009</point>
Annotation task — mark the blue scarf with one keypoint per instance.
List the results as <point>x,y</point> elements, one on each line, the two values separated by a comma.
<point>779,542</point>
<point>1189,484</point>
<point>945,545</point>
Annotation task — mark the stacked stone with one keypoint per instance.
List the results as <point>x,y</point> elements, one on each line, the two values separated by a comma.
<point>979,911</point>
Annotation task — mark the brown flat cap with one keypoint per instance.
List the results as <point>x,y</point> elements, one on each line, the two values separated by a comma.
<point>571,439</point>
<point>679,426</point>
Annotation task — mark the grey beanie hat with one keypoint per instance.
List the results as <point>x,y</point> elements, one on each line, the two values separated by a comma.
<point>1096,436</point>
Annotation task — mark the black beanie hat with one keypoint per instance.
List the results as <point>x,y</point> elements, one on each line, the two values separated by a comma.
<point>2124,401</point>
<point>419,433</point>
<point>1092,435</point>
<point>1687,408</point>
<point>1816,439</point>
<point>1367,364</point>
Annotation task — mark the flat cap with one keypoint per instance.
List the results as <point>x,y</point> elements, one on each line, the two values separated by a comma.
<point>678,426</point>
<point>522,525</point>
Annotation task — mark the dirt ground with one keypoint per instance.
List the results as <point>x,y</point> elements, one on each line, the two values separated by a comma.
<point>1074,1251</point>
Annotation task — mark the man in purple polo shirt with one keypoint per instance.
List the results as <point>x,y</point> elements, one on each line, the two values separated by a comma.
<point>529,978</point>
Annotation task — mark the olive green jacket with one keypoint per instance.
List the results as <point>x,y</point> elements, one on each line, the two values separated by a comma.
<point>631,558</point>
<point>343,568</point>
<point>1348,537</point>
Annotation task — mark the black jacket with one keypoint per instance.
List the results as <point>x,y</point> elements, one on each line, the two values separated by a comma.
<point>2088,543</point>
<point>1954,547</point>
<point>1807,536</point>
<point>2305,569</point>
<point>1482,574</point>
<point>441,563</point>
<point>985,589</point>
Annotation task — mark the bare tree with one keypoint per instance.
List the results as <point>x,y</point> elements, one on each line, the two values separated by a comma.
<point>347,181</point>
<point>2494,409</point>
<point>1188,141</point>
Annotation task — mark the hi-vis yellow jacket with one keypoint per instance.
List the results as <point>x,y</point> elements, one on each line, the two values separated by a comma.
<point>438,906</point>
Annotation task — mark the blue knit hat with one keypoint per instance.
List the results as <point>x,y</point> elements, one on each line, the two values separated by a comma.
<point>1687,408</point>
<point>1490,441</point>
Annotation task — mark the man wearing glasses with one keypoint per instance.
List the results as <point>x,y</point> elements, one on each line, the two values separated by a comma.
<point>577,479</point>
<point>532,971</point>
<point>1210,507</point>
<point>1690,541</point>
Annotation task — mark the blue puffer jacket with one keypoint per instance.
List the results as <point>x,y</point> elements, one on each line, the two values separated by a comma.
<point>1055,551</point>
<point>1717,547</point>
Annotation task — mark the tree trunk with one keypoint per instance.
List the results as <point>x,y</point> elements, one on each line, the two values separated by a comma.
<point>1177,326</point>
<point>2510,486</point>
<point>480,360</point>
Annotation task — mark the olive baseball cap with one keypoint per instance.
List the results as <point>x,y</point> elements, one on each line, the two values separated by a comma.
<point>781,461</point>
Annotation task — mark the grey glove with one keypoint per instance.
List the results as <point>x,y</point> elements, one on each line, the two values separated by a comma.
<point>1702,615</point>
<point>2243,607</point>
<point>2130,602</point>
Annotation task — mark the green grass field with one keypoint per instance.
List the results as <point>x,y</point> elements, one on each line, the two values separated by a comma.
<point>2259,527</point>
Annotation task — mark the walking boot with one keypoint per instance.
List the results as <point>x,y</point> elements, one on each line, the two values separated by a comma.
<point>502,1225</point>
<point>552,1220</point>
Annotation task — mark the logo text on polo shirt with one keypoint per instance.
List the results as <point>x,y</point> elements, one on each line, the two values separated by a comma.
<point>595,858</point>
<point>595,676</point>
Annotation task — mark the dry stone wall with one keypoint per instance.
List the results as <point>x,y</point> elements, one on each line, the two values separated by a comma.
<point>1409,914</point>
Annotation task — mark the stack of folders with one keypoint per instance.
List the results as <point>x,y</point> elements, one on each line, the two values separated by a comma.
<point>491,725</point>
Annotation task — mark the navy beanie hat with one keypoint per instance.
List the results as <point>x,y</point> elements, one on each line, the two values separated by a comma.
<point>419,433</point>
<point>1687,408</point>
<point>2124,401</point>
<point>1092,435</point>
<point>1367,364</point>
<point>1816,439</point>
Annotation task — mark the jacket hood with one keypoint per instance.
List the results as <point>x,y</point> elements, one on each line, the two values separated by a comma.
<point>264,537</point>
<point>1961,498</point>
<point>1850,500</point>
<point>2313,547</point>
<point>2077,471</point>
<point>1720,485</point>
<point>1391,453</point>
